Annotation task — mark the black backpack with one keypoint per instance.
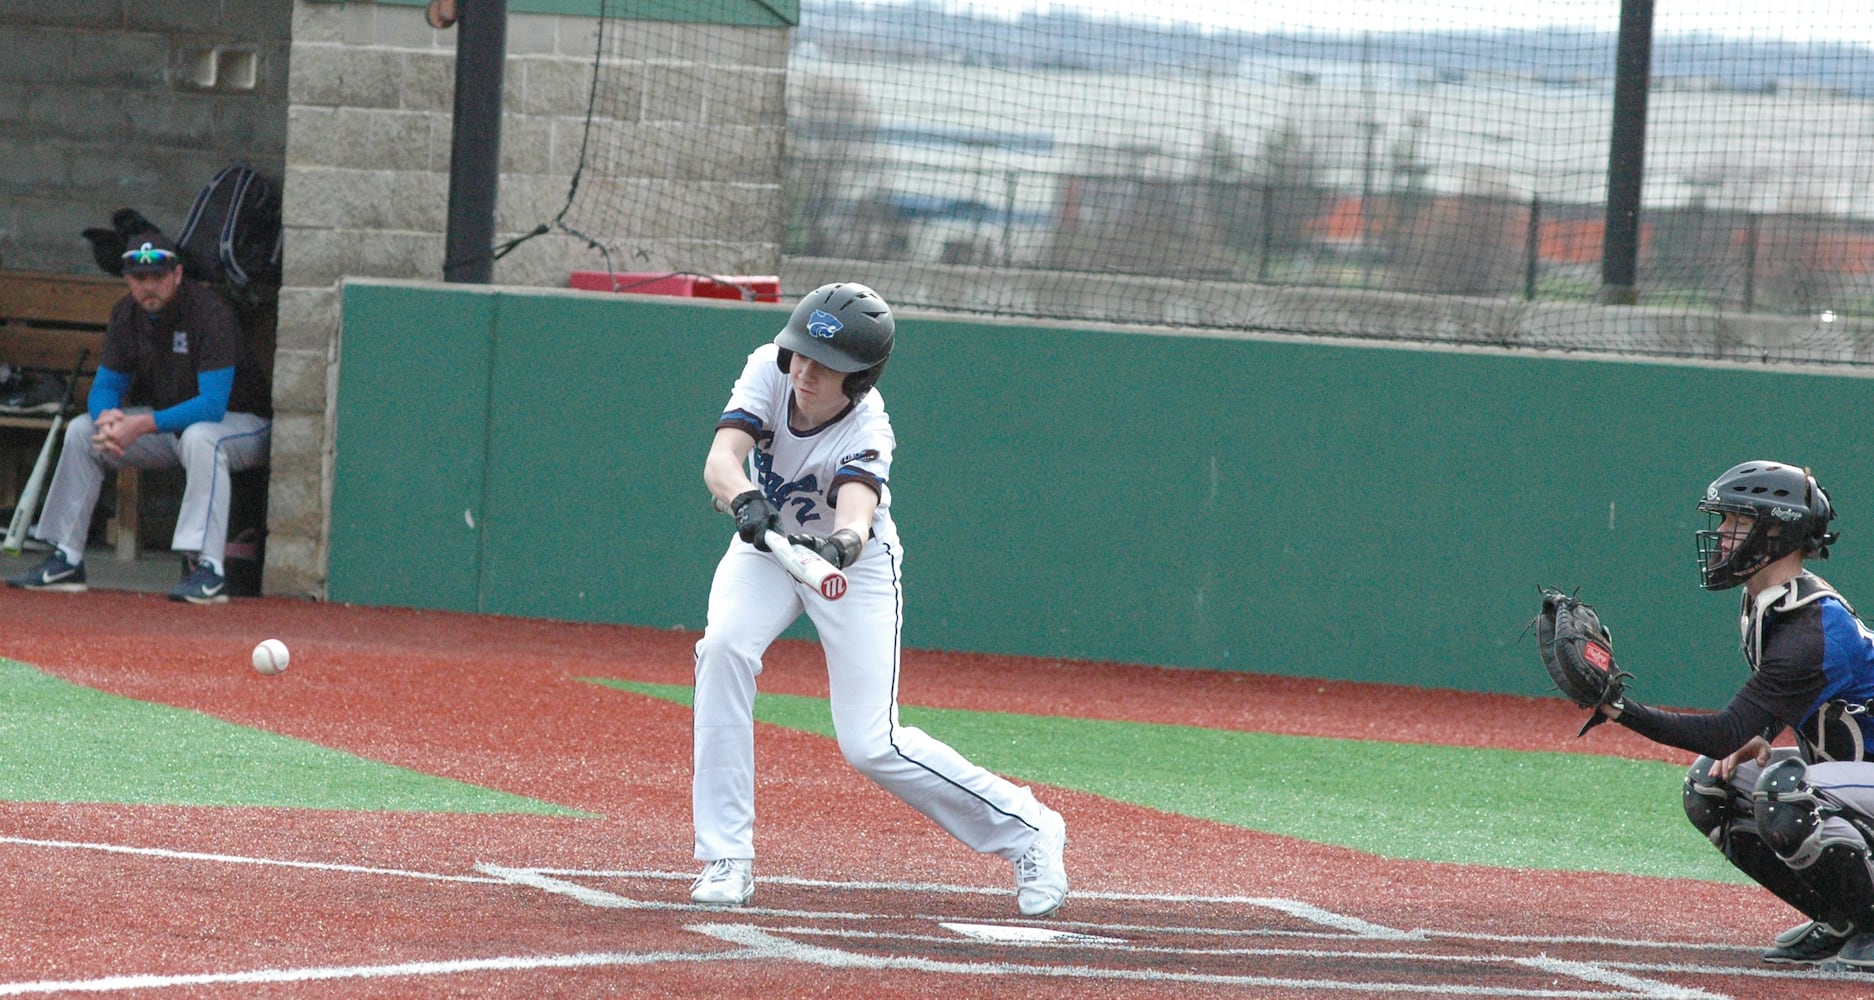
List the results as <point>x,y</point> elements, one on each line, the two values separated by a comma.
<point>232,233</point>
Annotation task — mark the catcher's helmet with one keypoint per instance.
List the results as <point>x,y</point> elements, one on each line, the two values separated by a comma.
<point>1789,512</point>
<point>845,327</point>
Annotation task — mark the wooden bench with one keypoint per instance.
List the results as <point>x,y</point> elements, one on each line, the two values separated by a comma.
<point>46,320</point>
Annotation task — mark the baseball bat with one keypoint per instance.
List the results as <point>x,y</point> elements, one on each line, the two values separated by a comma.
<point>28,503</point>
<point>807,566</point>
<point>802,563</point>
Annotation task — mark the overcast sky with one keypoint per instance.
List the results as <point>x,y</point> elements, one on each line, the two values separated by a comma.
<point>1790,20</point>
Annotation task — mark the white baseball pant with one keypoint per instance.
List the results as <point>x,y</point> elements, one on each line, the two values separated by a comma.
<point>751,601</point>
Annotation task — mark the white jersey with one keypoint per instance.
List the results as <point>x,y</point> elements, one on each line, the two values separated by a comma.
<point>800,472</point>
<point>752,600</point>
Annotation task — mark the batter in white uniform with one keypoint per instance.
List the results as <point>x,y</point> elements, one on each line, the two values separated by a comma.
<point>804,447</point>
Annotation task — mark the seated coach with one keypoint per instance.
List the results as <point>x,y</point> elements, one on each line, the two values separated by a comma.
<point>176,387</point>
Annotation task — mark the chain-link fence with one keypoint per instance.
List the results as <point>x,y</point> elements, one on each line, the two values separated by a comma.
<point>1444,158</point>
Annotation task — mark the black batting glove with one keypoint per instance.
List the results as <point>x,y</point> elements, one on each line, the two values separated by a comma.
<point>754,517</point>
<point>841,548</point>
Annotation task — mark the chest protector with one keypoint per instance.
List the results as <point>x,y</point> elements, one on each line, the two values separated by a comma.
<point>1838,729</point>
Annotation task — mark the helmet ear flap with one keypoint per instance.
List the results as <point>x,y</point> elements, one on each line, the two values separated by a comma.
<point>859,383</point>
<point>784,360</point>
<point>1821,512</point>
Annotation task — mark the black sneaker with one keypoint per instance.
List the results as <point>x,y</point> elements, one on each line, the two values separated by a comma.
<point>1858,953</point>
<point>204,586</point>
<point>1818,943</point>
<point>40,394</point>
<point>54,574</point>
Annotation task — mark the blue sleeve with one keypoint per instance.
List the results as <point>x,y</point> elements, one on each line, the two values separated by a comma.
<point>209,404</point>
<point>107,390</point>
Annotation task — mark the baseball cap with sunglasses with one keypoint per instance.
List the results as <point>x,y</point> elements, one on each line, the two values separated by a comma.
<point>151,253</point>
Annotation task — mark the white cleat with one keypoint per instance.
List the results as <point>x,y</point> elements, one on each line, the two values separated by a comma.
<point>1041,873</point>
<point>725,882</point>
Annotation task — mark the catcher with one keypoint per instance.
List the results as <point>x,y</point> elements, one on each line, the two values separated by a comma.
<point>1795,819</point>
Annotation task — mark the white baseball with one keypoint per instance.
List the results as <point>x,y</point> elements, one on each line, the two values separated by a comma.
<point>270,656</point>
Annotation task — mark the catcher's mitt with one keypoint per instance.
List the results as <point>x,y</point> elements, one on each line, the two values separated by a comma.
<point>1579,653</point>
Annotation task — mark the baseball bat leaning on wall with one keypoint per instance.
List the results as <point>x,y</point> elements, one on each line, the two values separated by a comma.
<point>803,563</point>
<point>28,503</point>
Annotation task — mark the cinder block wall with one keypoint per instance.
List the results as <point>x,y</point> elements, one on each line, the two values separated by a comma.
<point>111,105</point>
<point>367,160</point>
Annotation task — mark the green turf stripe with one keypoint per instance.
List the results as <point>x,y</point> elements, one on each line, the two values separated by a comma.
<point>1563,812</point>
<point>61,742</point>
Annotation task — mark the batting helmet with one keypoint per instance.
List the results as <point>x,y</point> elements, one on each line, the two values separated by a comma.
<point>845,327</point>
<point>1788,511</point>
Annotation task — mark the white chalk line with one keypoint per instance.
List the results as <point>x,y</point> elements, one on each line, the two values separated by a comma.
<point>507,877</point>
<point>513,963</point>
<point>1820,972</point>
<point>1081,943</point>
<point>1327,918</point>
<point>1633,985</point>
<point>1086,943</point>
<point>759,945</point>
<point>1292,907</point>
<point>770,946</point>
<point>1344,926</point>
<point>603,899</point>
<point>1608,973</point>
<point>1595,973</point>
<point>236,859</point>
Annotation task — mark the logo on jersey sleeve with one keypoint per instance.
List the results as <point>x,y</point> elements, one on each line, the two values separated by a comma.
<point>824,324</point>
<point>868,455</point>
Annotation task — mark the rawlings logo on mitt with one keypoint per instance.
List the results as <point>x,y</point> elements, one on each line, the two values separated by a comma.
<point>1578,653</point>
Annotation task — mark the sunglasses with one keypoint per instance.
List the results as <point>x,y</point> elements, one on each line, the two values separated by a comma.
<point>147,254</point>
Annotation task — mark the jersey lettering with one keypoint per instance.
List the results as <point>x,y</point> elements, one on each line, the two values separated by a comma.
<point>802,493</point>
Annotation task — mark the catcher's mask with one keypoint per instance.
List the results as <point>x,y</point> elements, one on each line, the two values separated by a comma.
<point>845,327</point>
<point>1788,512</point>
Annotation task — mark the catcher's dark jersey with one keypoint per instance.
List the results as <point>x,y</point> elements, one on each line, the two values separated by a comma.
<point>1806,649</point>
<point>196,332</point>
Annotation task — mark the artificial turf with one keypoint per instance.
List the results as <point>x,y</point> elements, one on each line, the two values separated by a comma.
<point>1410,801</point>
<point>63,742</point>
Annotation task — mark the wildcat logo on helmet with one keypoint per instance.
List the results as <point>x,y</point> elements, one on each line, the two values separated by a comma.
<point>823,324</point>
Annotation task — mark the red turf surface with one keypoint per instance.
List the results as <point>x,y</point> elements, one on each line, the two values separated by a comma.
<point>496,702</point>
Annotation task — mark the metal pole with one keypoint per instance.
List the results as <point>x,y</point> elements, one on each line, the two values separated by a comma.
<point>1626,156</point>
<point>1371,124</point>
<point>475,150</point>
<point>1268,232</point>
<point>1008,218</point>
<point>1750,262</point>
<point>1532,250</point>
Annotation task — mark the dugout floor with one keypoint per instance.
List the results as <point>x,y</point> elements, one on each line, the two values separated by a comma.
<point>152,571</point>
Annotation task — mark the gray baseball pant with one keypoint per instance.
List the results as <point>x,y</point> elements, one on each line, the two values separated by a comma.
<point>206,452</point>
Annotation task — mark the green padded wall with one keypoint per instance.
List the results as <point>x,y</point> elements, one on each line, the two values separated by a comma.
<point>410,448</point>
<point>600,429</point>
<point>1360,512</point>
